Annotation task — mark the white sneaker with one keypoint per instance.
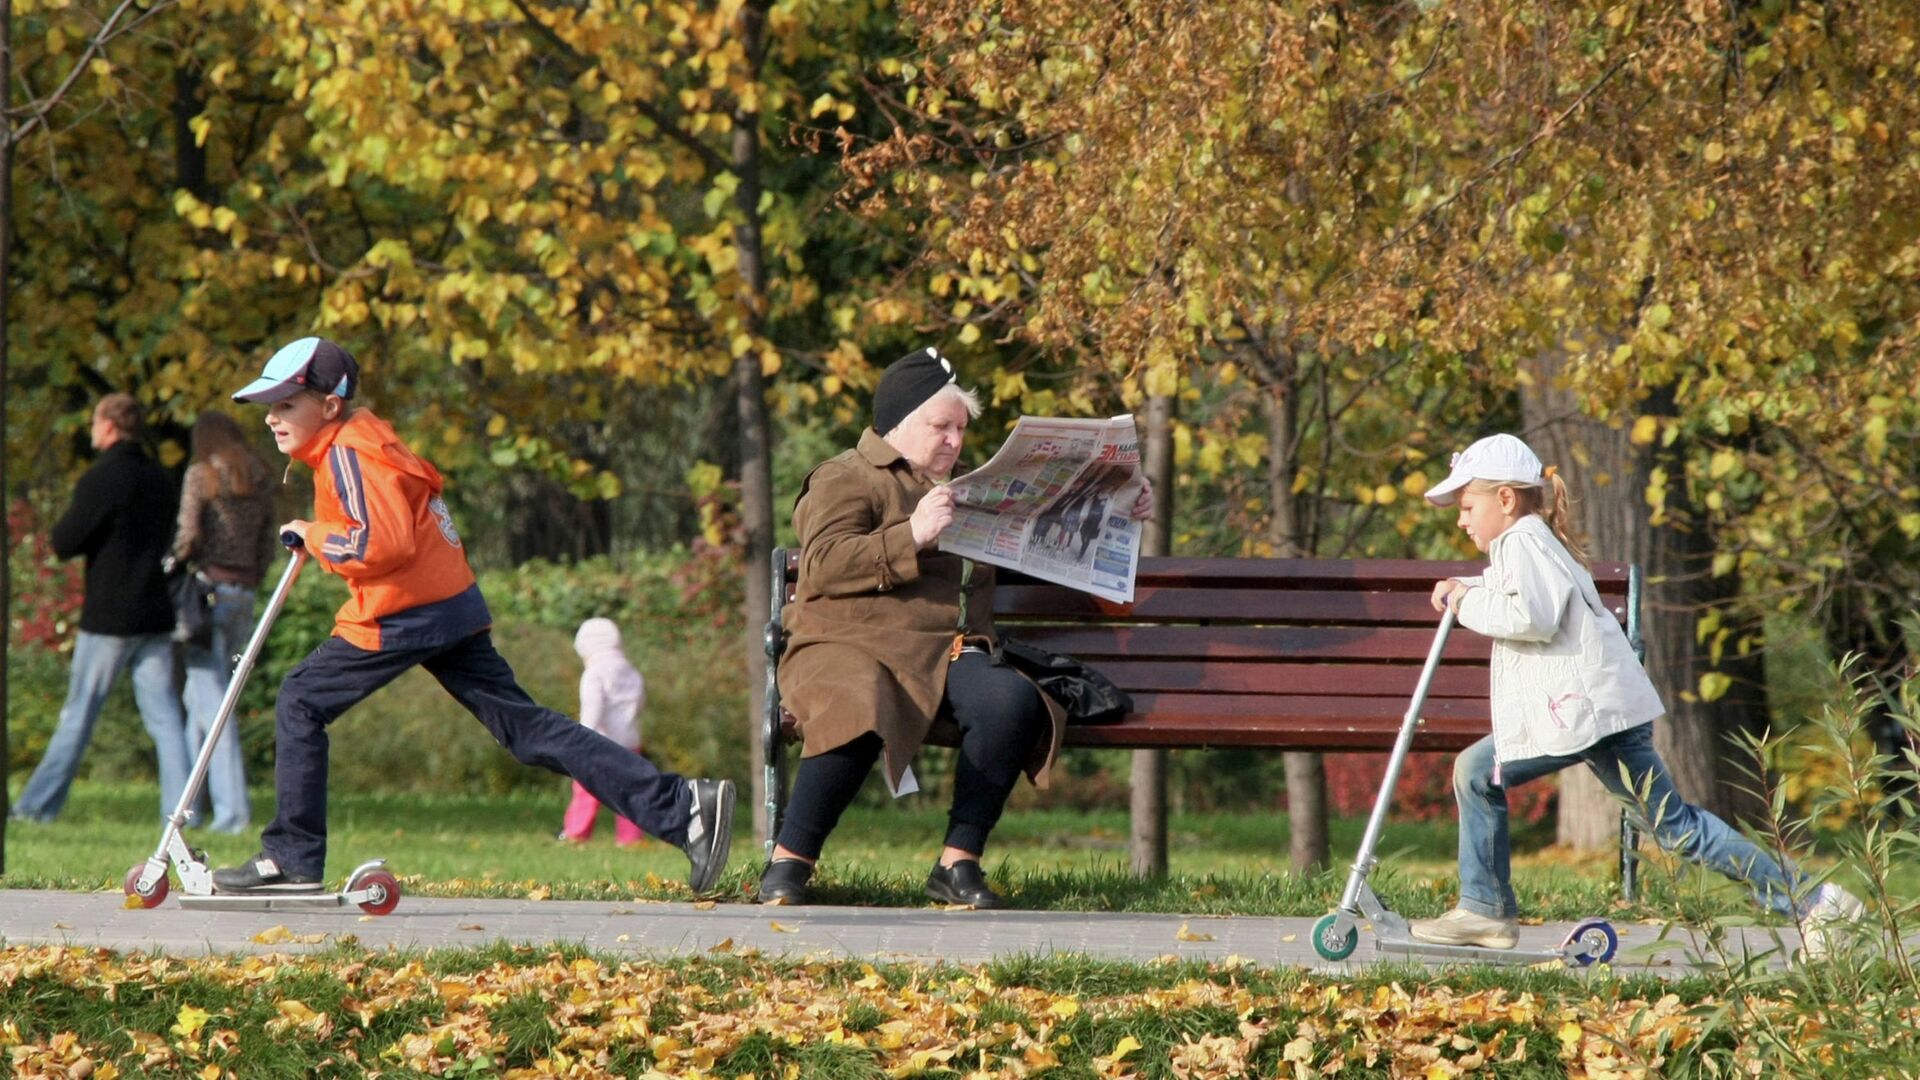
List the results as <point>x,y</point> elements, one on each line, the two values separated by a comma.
<point>1820,928</point>
<point>1463,927</point>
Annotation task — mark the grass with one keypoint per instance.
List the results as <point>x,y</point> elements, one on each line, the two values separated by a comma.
<point>505,1010</point>
<point>502,846</point>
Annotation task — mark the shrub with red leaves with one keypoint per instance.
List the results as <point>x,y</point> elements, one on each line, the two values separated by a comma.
<point>1425,791</point>
<point>46,592</point>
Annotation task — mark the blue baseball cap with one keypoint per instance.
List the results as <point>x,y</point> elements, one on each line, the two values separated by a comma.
<point>311,363</point>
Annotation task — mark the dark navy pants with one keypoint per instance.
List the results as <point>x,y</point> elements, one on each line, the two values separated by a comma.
<point>337,676</point>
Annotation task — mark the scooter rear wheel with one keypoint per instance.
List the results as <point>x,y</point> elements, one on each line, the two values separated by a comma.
<point>1329,942</point>
<point>1597,941</point>
<point>385,890</point>
<point>154,896</point>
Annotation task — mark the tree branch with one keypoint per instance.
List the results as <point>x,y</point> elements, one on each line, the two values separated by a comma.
<point>39,109</point>
<point>668,127</point>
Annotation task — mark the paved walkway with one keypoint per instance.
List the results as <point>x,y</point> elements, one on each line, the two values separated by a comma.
<point>644,928</point>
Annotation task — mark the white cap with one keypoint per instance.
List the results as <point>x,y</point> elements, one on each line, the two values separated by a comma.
<point>1502,459</point>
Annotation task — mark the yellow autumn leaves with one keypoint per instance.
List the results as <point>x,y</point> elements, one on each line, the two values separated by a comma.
<point>690,1017</point>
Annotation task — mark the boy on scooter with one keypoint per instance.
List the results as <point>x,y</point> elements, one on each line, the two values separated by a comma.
<point>381,525</point>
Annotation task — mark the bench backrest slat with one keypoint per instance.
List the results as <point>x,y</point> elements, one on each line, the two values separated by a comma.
<point>1319,654</point>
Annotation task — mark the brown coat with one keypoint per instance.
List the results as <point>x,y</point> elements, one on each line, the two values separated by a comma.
<point>871,628</point>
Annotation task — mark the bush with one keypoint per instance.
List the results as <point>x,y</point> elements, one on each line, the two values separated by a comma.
<point>1425,790</point>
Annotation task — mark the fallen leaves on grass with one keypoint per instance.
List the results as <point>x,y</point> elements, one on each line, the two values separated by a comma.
<point>394,1014</point>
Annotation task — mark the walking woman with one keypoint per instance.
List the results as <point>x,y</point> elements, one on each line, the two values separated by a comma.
<point>226,530</point>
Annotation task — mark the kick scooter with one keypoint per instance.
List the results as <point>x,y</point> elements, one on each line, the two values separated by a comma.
<point>370,885</point>
<point>1335,935</point>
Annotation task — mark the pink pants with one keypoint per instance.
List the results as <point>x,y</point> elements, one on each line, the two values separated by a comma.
<point>581,812</point>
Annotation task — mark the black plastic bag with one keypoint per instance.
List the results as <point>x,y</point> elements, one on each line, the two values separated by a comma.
<point>1088,696</point>
<point>192,597</point>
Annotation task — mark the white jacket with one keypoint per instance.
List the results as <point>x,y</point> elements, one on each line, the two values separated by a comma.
<point>1563,674</point>
<point>612,694</point>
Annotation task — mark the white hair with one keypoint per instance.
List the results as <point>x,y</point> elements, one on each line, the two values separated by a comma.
<point>953,391</point>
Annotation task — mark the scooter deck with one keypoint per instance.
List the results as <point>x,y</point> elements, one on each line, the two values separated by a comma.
<point>271,902</point>
<point>1475,954</point>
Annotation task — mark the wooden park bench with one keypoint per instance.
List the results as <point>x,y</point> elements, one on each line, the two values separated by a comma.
<point>1268,654</point>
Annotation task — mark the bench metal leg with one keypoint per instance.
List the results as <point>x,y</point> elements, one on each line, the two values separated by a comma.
<point>1629,858</point>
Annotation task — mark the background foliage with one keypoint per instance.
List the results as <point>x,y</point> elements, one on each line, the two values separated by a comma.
<point>1346,237</point>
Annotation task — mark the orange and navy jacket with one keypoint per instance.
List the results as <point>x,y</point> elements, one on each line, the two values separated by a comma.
<point>379,522</point>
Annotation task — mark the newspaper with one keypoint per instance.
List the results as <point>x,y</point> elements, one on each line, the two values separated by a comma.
<point>1053,503</point>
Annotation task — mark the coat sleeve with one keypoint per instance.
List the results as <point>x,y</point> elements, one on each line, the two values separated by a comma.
<point>1530,600</point>
<point>269,536</point>
<point>377,535</point>
<point>844,549</point>
<point>89,519</point>
<point>186,531</point>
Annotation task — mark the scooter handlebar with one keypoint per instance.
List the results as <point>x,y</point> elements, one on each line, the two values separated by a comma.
<point>291,540</point>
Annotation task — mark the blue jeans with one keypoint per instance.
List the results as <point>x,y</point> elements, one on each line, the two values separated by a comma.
<point>336,676</point>
<point>98,660</point>
<point>208,672</point>
<point>1486,886</point>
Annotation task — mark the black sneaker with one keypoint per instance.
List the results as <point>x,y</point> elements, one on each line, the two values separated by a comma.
<point>262,875</point>
<point>962,883</point>
<point>710,833</point>
<point>785,882</point>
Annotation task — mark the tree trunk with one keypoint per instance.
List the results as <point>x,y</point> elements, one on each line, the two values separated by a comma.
<point>1608,476</point>
<point>6,276</point>
<point>1308,846</point>
<point>750,397</point>
<point>1148,818</point>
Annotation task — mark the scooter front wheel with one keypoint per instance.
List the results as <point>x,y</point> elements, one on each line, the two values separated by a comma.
<point>1597,942</point>
<point>153,897</point>
<point>383,891</point>
<point>1330,942</point>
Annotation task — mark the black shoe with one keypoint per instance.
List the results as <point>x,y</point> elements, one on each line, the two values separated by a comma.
<point>710,834</point>
<point>262,875</point>
<point>962,883</point>
<point>785,882</point>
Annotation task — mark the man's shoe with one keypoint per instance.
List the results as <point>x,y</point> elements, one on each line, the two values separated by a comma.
<point>785,881</point>
<point>710,833</point>
<point>262,875</point>
<point>962,883</point>
<point>1463,927</point>
<point>1825,923</point>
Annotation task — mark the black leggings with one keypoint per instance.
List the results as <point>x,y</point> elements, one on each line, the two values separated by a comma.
<point>1001,719</point>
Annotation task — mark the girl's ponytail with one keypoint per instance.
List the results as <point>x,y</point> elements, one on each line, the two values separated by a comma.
<point>1557,512</point>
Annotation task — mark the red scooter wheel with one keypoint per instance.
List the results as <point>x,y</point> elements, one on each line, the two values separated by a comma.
<point>153,897</point>
<point>384,890</point>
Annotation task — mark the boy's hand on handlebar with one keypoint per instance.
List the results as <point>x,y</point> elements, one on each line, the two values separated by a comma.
<point>1447,594</point>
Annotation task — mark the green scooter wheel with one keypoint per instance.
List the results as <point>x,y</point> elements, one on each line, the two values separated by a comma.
<point>1329,942</point>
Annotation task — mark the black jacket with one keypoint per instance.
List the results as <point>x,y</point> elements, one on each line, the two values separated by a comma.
<point>122,521</point>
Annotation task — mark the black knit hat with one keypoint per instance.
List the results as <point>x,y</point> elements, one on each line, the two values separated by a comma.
<point>906,384</point>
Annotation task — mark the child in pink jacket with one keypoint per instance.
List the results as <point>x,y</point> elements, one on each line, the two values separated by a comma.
<point>612,694</point>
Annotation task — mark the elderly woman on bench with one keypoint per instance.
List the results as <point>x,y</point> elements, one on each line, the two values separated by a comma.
<point>886,633</point>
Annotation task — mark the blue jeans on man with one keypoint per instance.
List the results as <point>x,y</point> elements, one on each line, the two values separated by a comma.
<point>98,660</point>
<point>1486,881</point>
<point>208,672</point>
